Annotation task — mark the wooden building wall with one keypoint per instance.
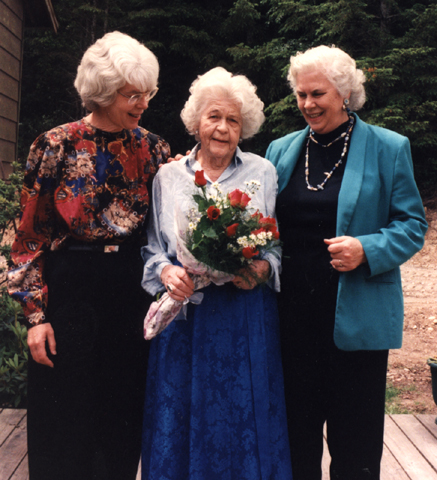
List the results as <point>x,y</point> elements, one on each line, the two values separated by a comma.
<point>11,36</point>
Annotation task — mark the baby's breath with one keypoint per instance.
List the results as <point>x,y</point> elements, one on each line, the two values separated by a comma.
<point>243,241</point>
<point>192,226</point>
<point>253,186</point>
<point>228,239</point>
<point>217,187</point>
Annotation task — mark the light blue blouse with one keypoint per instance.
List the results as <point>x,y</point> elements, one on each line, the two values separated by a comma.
<point>173,188</point>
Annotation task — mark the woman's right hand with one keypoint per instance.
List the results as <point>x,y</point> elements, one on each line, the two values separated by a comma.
<point>177,282</point>
<point>37,337</point>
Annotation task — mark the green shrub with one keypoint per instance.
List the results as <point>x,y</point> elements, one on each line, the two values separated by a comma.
<point>13,336</point>
<point>13,354</point>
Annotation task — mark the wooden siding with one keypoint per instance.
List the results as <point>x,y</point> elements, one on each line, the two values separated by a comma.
<point>11,35</point>
<point>38,13</point>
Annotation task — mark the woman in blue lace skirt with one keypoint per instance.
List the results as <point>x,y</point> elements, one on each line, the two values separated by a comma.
<point>214,404</point>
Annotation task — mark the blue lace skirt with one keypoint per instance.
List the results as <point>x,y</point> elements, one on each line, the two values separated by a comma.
<point>214,404</point>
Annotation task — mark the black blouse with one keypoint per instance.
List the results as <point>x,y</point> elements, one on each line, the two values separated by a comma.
<point>306,218</point>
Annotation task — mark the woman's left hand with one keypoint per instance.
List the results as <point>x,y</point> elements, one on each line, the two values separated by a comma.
<point>256,273</point>
<point>347,253</point>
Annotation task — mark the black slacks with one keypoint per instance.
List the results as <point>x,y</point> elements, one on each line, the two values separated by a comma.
<point>85,414</point>
<point>323,383</point>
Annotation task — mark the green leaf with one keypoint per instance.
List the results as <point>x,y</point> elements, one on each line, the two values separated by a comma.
<point>210,233</point>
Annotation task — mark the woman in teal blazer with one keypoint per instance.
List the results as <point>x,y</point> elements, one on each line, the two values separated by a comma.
<point>350,214</point>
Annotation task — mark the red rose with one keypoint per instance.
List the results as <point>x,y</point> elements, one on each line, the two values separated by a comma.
<point>213,212</point>
<point>238,199</point>
<point>258,215</point>
<point>268,223</point>
<point>256,232</point>
<point>199,178</point>
<point>232,230</point>
<point>249,252</point>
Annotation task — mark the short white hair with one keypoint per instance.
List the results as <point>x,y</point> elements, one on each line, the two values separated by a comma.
<point>219,84</point>
<point>338,67</point>
<point>110,63</point>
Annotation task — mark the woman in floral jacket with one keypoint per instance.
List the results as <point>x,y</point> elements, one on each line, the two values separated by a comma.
<point>77,270</point>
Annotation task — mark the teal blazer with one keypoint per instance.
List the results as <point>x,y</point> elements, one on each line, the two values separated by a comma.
<point>379,204</point>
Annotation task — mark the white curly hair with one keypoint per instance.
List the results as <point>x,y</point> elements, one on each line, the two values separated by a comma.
<point>219,84</point>
<point>338,67</point>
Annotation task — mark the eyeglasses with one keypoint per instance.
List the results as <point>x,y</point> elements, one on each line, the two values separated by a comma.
<point>133,99</point>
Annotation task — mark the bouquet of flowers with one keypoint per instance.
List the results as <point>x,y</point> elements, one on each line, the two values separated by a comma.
<point>218,237</point>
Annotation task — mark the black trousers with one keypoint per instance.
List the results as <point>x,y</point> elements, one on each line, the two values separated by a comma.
<point>323,383</point>
<point>85,414</point>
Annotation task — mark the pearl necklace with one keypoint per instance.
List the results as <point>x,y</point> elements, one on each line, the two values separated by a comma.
<point>346,135</point>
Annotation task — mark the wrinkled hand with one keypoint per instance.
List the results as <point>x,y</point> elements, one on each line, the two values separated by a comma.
<point>255,274</point>
<point>37,337</point>
<point>347,253</point>
<point>177,282</point>
<point>177,157</point>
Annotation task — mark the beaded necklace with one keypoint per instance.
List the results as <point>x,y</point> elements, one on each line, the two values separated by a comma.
<point>346,135</point>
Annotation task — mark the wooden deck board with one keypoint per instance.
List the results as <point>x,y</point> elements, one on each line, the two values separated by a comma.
<point>326,459</point>
<point>410,458</point>
<point>410,448</point>
<point>22,472</point>
<point>13,450</point>
<point>429,421</point>
<point>416,432</point>
<point>391,469</point>
<point>139,473</point>
<point>409,452</point>
<point>9,419</point>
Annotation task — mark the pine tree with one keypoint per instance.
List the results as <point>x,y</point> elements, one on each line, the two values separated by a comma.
<point>394,41</point>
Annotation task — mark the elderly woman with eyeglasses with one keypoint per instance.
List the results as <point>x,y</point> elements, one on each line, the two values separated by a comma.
<point>77,270</point>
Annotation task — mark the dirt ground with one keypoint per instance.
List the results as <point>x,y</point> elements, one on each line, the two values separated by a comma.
<point>408,370</point>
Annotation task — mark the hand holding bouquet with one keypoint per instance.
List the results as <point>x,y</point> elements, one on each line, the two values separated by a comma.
<point>216,239</point>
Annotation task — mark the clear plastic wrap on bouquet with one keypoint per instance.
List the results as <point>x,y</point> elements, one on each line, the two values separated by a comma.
<point>162,312</point>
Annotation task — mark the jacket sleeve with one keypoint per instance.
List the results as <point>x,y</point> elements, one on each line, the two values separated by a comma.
<point>404,235</point>
<point>274,255</point>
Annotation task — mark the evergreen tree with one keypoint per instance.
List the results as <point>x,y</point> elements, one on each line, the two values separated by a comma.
<point>394,41</point>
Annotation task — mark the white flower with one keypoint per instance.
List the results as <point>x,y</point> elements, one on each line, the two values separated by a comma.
<point>216,185</point>
<point>193,214</point>
<point>212,196</point>
<point>243,241</point>
<point>253,186</point>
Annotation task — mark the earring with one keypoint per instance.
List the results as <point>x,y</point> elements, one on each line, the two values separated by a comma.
<point>240,141</point>
<point>345,103</point>
<point>197,132</point>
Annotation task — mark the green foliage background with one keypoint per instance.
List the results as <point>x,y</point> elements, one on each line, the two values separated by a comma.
<point>13,336</point>
<point>394,41</point>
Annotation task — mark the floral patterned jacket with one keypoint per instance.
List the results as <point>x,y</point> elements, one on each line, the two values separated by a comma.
<point>85,184</point>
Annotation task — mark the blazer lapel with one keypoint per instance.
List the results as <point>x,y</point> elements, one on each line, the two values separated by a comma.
<point>286,164</point>
<point>353,177</point>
